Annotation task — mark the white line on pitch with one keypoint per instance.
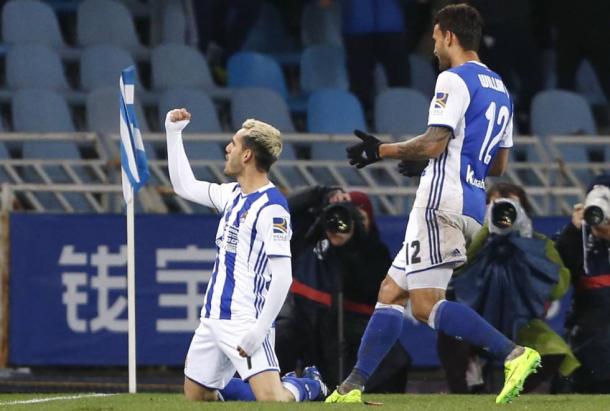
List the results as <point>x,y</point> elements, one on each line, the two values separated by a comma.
<point>38,400</point>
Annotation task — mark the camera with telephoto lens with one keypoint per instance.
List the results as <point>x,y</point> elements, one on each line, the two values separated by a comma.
<point>597,205</point>
<point>506,215</point>
<point>339,217</point>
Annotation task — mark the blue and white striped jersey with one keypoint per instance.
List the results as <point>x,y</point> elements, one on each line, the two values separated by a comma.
<point>252,228</point>
<point>473,101</point>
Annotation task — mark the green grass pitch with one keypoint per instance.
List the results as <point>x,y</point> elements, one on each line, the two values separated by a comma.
<point>406,402</point>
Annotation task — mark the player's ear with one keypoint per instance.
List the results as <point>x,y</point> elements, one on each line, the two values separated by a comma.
<point>247,155</point>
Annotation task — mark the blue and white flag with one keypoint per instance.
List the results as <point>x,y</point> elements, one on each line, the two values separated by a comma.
<point>134,165</point>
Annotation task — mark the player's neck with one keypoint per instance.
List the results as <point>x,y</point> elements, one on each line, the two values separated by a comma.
<point>252,180</point>
<point>464,57</point>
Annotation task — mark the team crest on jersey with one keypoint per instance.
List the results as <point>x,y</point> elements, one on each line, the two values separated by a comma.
<point>280,228</point>
<point>440,101</point>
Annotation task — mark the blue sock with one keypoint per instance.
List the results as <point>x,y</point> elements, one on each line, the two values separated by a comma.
<point>237,390</point>
<point>381,333</point>
<point>461,321</point>
<point>303,389</point>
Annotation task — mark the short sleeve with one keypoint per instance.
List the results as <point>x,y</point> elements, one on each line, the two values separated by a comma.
<point>275,230</point>
<point>451,99</point>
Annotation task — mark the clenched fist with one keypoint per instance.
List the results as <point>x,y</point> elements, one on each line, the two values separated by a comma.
<point>177,119</point>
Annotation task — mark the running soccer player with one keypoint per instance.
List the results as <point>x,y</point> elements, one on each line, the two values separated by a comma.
<point>468,138</point>
<point>251,276</point>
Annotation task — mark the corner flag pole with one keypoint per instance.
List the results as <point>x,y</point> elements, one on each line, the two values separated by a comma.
<point>134,174</point>
<point>131,295</point>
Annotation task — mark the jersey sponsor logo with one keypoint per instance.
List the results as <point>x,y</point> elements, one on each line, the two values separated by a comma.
<point>472,180</point>
<point>440,101</point>
<point>231,238</point>
<point>280,229</point>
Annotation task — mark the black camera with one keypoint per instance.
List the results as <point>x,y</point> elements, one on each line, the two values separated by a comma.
<point>506,215</point>
<point>339,217</point>
<point>597,205</point>
<point>503,214</point>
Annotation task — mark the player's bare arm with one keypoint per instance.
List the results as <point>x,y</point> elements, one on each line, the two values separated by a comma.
<point>431,144</point>
<point>499,163</point>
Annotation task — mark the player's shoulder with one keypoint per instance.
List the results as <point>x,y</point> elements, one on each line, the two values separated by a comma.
<point>275,199</point>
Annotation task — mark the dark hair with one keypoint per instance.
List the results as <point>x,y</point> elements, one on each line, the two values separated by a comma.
<point>510,189</point>
<point>262,157</point>
<point>462,20</point>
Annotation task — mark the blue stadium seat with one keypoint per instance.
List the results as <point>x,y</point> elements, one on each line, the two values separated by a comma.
<point>323,66</point>
<point>400,111</point>
<point>101,66</point>
<point>35,66</point>
<point>102,108</point>
<point>204,117</point>
<point>587,84</point>
<point>251,69</point>
<point>561,112</point>
<point>40,111</point>
<point>107,22</point>
<point>321,25</point>
<point>262,104</point>
<point>31,22</point>
<point>334,111</point>
<point>268,35</point>
<point>173,23</point>
<point>423,75</point>
<point>192,72</point>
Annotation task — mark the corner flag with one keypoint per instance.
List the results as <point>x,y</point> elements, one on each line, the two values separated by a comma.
<point>134,165</point>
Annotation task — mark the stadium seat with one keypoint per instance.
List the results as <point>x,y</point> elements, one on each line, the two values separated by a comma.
<point>204,117</point>
<point>261,104</point>
<point>423,75</point>
<point>40,111</point>
<point>400,111</point>
<point>102,108</point>
<point>173,23</point>
<point>269,35</point>
<point>335,112</point>
<point>321,25</point>
<point>31,22</point>
<point>35,66</point>
<point>251,69</point>
<point>561,112</point>
<point>101,66</point>
<point>323,66</point>
<point>107,22</point>
<point>192,72</point>
<point>587,84</point>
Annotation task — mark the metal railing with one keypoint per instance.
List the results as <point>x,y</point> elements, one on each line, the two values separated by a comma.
<point>93,184</point>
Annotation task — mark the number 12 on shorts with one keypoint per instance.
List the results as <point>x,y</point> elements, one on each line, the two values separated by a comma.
<point>412,248</point>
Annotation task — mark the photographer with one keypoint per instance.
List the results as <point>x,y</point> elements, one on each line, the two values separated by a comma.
<point>512,275</point>
<point>584,246</point>
<point>338,262</point>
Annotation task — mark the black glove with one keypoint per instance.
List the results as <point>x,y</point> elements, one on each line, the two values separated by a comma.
<point>365,153</point>
<point>412,168</point>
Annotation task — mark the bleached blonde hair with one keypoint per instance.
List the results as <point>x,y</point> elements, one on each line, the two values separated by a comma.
<point>266,137</point>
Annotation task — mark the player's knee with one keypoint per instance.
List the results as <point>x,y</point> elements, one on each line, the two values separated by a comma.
<point>390,293</point>
<point>423,301</point>
<point>193,392</point>
<point>421,311</point>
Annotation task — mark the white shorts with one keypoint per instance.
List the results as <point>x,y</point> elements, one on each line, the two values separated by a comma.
<point>434,239</point>
<point>212,358</point>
